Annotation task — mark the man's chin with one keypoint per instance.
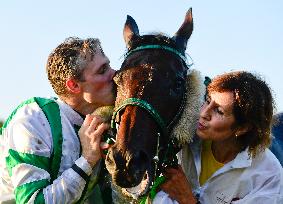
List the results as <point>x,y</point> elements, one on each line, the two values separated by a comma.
<point>110,101</point>
<point>113,97</point>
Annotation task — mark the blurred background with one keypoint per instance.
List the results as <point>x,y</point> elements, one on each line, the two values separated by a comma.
<point>228,35</point>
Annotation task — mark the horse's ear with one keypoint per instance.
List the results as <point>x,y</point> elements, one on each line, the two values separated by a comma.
<point>183,34</point>
<point>130,29</point>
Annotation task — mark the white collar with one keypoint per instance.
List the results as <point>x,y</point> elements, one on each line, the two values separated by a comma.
<point>70,113</point>
<point>242,159</point>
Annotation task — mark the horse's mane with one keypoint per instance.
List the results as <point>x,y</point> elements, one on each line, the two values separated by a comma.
<point>185,128</point>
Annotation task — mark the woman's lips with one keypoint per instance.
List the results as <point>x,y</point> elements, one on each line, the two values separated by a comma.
<point>201,126</point>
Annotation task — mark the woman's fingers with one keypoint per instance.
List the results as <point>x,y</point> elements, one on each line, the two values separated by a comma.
<point>177,185</point>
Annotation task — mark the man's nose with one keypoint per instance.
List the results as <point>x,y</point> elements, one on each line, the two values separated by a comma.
<point>112,73</point>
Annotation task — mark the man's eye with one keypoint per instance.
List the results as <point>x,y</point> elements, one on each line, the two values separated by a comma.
<point>103,69</point>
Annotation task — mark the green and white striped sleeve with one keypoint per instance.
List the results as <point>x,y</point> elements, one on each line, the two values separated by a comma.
<point>29,157</point>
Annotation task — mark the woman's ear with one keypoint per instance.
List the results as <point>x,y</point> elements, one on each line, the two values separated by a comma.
<point>242,130</point>
<point>73,86</point>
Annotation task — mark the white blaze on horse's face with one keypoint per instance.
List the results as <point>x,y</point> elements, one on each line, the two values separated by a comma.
<point>153,79</point>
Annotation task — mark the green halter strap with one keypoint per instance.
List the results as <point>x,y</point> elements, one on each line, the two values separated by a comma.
<point>163,47</point>
<point>146,106</point>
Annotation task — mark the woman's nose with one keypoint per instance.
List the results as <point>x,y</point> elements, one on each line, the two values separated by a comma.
<point>205,112</point>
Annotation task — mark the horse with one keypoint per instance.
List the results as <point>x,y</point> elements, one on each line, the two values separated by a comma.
<point>156,109</point>
<point>277,133</point>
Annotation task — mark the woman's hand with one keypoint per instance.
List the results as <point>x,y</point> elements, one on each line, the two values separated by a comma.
<point>177,186</point>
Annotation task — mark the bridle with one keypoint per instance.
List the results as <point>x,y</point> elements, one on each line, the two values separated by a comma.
<point>164,128</point>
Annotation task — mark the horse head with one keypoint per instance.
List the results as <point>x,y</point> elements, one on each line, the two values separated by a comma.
<point>151,95</point>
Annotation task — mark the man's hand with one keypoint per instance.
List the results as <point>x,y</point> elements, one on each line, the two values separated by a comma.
<point>90,135</point>
<point>177,186</point>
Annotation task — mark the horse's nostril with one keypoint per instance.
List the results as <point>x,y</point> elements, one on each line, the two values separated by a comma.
<point>127,172</point>
<point>109,161</point>
<point>142,156</point>
<point>138,163</point>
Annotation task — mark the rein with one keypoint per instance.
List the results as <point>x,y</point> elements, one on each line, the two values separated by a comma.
<point>169,157</point>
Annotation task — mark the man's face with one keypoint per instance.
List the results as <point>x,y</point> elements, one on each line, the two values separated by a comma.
<point>98,86</point>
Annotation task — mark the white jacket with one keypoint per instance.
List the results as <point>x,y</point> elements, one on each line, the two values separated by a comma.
<point>28,134</point>
<point>243,180</point>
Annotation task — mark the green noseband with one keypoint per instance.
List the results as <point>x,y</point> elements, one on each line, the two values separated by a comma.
<point>142,104</point>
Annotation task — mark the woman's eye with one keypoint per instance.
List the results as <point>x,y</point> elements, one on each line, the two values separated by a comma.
<point>207,101</point>
<point>219,111</point>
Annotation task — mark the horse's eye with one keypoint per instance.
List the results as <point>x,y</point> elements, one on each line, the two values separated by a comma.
<point>177,86</point>
<point>179,83</point>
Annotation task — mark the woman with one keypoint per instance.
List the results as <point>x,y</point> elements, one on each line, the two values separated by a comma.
<point>232,162</point>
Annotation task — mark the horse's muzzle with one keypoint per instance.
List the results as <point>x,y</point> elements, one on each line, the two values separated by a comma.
<point>127,169</point>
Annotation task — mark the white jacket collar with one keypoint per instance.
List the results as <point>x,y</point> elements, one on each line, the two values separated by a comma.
<point>242,160</point>
<point>71,114</point>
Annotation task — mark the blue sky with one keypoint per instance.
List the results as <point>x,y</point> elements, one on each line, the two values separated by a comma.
<point>228,35</point>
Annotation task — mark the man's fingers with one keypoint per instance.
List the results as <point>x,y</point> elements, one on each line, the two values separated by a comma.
<point>104,145</point>
<point>95,122</point>
<point>104,149</point>
<point>100,129</point>
<point>87,120</point>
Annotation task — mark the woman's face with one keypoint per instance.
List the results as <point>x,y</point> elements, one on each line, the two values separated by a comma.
<point>216,117</point>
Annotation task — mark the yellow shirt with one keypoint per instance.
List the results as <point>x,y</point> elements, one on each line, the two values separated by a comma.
<point>208,163</point>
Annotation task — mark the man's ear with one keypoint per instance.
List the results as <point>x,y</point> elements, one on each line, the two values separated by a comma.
<point>73,86</point>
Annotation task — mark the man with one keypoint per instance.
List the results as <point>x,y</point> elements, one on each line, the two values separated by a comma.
<point>42,167</point>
